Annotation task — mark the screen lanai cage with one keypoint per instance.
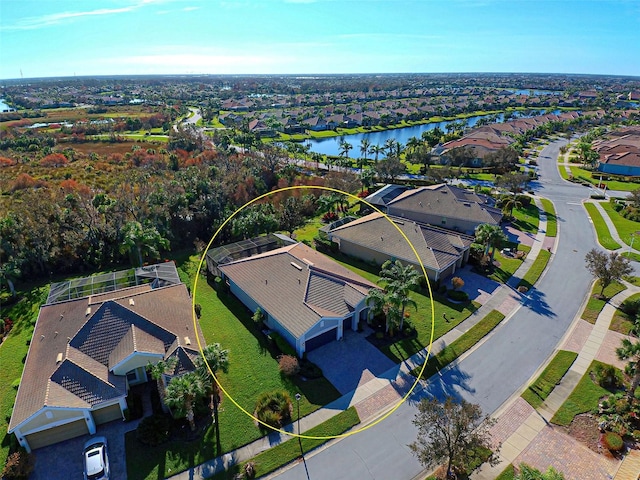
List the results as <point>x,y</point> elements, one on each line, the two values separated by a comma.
<point>157,275</point>
<point>244,249</point>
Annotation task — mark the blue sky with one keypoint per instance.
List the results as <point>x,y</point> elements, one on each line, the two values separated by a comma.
<point>43,38</point>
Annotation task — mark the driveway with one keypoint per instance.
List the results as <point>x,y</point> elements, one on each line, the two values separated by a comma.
<point>352,360</point>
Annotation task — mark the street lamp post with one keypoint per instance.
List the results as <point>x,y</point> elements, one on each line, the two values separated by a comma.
<point>298,397</point>
<point>633,236</point>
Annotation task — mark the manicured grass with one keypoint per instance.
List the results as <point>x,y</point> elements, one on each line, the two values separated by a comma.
<point>508,473</point>
<point>626,228</point>
<point>621,322</point>
<point>584,398</point>
<point>594,178</point>
<point>535,271</point>
<point>309,230</point>
<point>13,352</point>
<point>540,389</point>
<point>527,218</point>
<point>595,304</point>
<point>422,318</point>
<point>461,345</point>
<point>280,455</point>
<point>507,265</point>
<point>602,231</point>
<point>253,369</point>
<point>552,221</point>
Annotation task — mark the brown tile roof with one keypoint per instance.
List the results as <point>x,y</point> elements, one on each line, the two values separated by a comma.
<point>289,283</point>
<point>448,201</point>
<point>69,328</point>
<point>437,248</point>
<point>135,340</point>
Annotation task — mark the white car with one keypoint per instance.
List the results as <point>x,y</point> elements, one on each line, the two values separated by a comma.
<point>96,459</point>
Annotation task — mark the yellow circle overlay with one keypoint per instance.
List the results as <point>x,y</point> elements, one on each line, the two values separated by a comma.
<point>424,272</point>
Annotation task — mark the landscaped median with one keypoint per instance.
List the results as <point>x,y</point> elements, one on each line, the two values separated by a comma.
<point>540,389</point>
<point>552,221</point>
<point>604,237</point>
<point>467,340</point>
<point>535,271</point>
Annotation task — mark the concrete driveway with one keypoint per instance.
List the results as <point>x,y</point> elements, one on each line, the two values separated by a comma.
<point>352,360</point>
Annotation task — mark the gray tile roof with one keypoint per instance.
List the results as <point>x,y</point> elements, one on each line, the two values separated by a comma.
<point>447,201</point>
<point>289,283</point>
<point>135,340</point>
<point>436,247</point>
<point>85,332</point>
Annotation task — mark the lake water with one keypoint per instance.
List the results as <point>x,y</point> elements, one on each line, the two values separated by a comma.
<point>3,106</point>
<point>331,145</point>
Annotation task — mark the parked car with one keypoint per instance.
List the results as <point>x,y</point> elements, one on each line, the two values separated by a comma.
<point>96,459</point>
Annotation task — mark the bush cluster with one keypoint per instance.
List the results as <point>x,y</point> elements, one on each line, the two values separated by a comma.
<point>612,441</point>
<point>274,408</point>
<point>154,430</point>
<point>288,365</point>
<point>19,465</point>
<point>282,344</point>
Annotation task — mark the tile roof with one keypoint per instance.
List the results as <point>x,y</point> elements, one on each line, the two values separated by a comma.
<point>289,283</point>
<point>437,247</point>
<point>135,340</point>
<point>448,201</point>
<point>84,333</point>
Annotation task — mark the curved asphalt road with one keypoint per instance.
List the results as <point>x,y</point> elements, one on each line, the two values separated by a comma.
<point>501,365</point>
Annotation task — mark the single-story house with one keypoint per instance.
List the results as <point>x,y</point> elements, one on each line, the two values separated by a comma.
<point>446,206</point>
<point>92,341</point>
<point>305,296</point>
<point>377,238</point>
<point>381,198</point>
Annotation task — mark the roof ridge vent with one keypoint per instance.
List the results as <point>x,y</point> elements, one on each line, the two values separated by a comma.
<point>295,265</point>
<point>59,358</point>
<point>88,312</point>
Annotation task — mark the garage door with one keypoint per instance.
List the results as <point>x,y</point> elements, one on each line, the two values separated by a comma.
<point>107,414</point>
<point>321,339</point>
<point>57,434</point>
<point>346,323</point>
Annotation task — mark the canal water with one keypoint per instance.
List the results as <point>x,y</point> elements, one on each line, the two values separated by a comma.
<point>3,106</point>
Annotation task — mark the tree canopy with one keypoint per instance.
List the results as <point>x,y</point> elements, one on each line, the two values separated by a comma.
<point>607,268</point>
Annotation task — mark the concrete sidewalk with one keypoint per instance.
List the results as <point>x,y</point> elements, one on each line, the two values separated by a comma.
<point>380,394</point>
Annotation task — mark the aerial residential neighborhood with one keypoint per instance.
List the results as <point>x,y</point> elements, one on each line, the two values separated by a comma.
<point>286,239</point>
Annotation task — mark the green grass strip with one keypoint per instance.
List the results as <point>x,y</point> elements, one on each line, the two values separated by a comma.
<point>533,274</point>
<point>604,237</point>
<point>540,389</point>
<point>280,455</point>
<point>552,222</point>
<point>626,228</point>
<point>584,398</point>
<point>527,218</point>
<point>595,304</point>
<point>452,351</point>
<point>508,473</point>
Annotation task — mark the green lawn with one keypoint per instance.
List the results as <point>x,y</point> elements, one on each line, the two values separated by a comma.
<point>621,322</point>
<point>595,305</point>
<point>288,451</point>
<point>508,473</point>
<point>507,265</point>
<point>527,218</point>
<point>584,398</point>
<point>594,178</point>
<point>552,221</point>
<point>461,345</point>
<point>626,228</point>
<point>13,352</point>
<point>309,230</point>
<point>540,389</point>
<point>535,271</point>
<point>604,237</point>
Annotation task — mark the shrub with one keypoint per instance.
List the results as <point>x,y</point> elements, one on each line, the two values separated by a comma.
<point>274,408</point>
<point>249,470</point>
<point>457,282</point>
<point>631,307</point>
<point>198,309</point>
<point>330,217</point>
<point>458,295</point>
<point>612,441</point>
<point>523,289</point>
<point>288,365</point>
<point>154,430</point>
<point>258,316</point>
<point>282,344</point>
<point>19,465</point>
<point>607,376</point>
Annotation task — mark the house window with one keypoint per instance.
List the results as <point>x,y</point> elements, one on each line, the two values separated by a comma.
<point>132,376</point>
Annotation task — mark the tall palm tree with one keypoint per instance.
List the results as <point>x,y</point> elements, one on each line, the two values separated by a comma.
<point>491,236</point>
<point>144,240</point>
<point>158,370</point>
<point>376,150</point>
<point>182,393</point>
<point>213,358</point>
<point>631,351</point>
<point>345,147</point>
<point>399,280</point>
<point>389,146</point>
<point>413,143</point>
<point>509,203</point>
<point>365,145</point>
<point>385,302</point>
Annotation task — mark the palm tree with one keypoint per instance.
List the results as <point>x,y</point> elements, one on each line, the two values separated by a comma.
<point>377,150</point>
<point>491,236</point>
<point>182,393</point>
<point>144,240</point>
<point>389,146</point>
<point>387,303</point>
<point>631,351</point>
<point>413,143</point>
<point>158,370</point>
<point>365,145</point>
<point>509,203</point>
<point>213,358</point>
<point>399,280</point>
<point>344,149</point>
